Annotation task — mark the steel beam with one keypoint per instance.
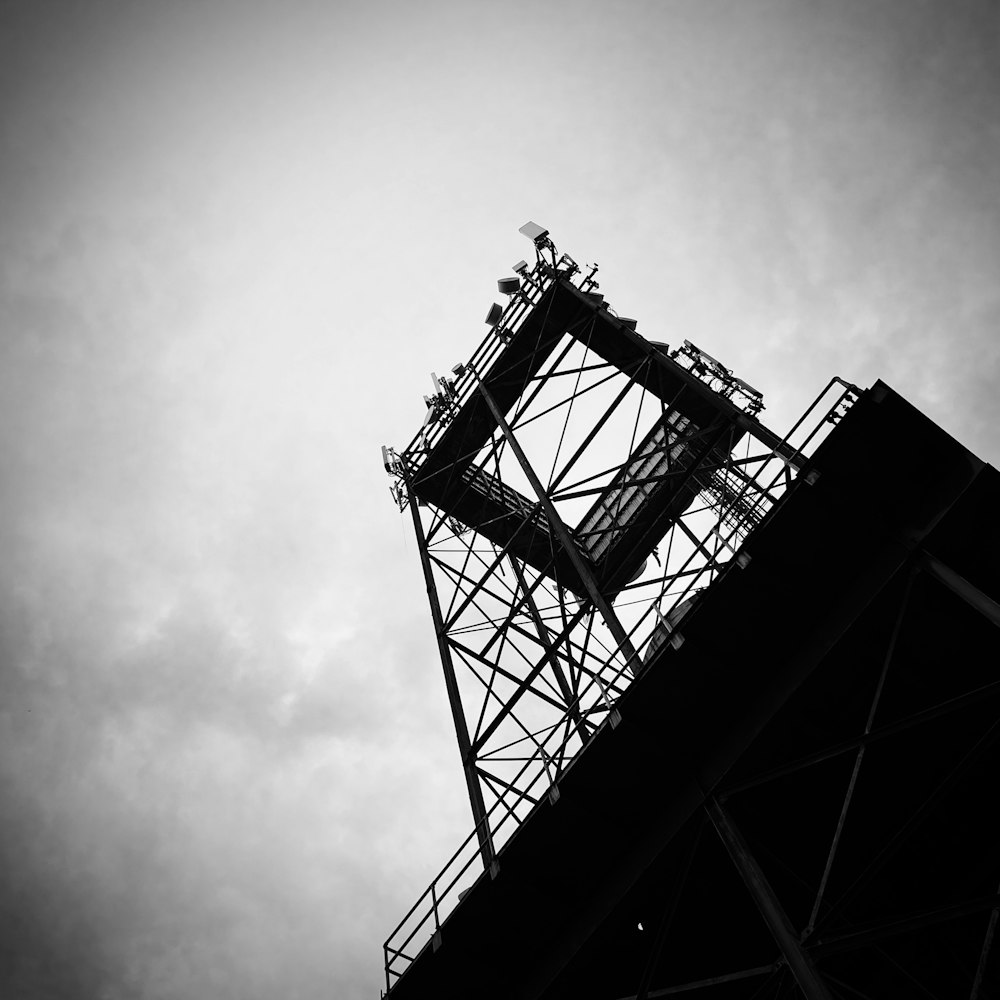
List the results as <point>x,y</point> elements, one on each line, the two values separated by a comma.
<point>771,910</point>
<point>545,637</point>
<point>549,656</point>
<point>859,757</point>
<point>486,848</point>
<point>984,954</point>
<point>701,984</point>
<point>958,585</point>
<point>565,538</point>
<point>981,746</point>
<point>870,934</point>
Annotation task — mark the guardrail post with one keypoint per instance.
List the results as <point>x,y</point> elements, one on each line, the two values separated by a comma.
<point>436,938</point>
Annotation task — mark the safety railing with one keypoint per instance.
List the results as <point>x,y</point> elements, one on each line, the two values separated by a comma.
<point>534,284</point>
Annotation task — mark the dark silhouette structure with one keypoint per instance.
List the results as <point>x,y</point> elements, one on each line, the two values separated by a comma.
<point>726,701</point>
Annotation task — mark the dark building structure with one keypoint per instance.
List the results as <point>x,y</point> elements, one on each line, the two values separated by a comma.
<point>726,701</point>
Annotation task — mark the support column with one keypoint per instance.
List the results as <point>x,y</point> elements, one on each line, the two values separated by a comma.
<point>959,586</point>
<point>454,698</point>
<point>781,928</point>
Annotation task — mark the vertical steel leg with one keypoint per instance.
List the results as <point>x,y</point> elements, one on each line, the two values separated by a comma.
<point>984,954</point>
<point>767,902</point>
<point>454,698</point>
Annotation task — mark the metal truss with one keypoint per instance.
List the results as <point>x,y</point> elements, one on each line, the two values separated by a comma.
<point>573,490</point>
<point>844,929</point>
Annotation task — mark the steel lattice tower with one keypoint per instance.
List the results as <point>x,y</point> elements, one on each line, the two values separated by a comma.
<point>581,497</point>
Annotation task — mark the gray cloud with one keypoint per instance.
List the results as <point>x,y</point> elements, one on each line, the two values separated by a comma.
<point>234,241</point>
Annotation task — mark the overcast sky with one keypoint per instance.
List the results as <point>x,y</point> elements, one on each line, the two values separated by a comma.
<point>235,238</point>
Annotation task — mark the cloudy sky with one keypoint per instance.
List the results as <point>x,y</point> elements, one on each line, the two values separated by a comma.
<point>235,238</point>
